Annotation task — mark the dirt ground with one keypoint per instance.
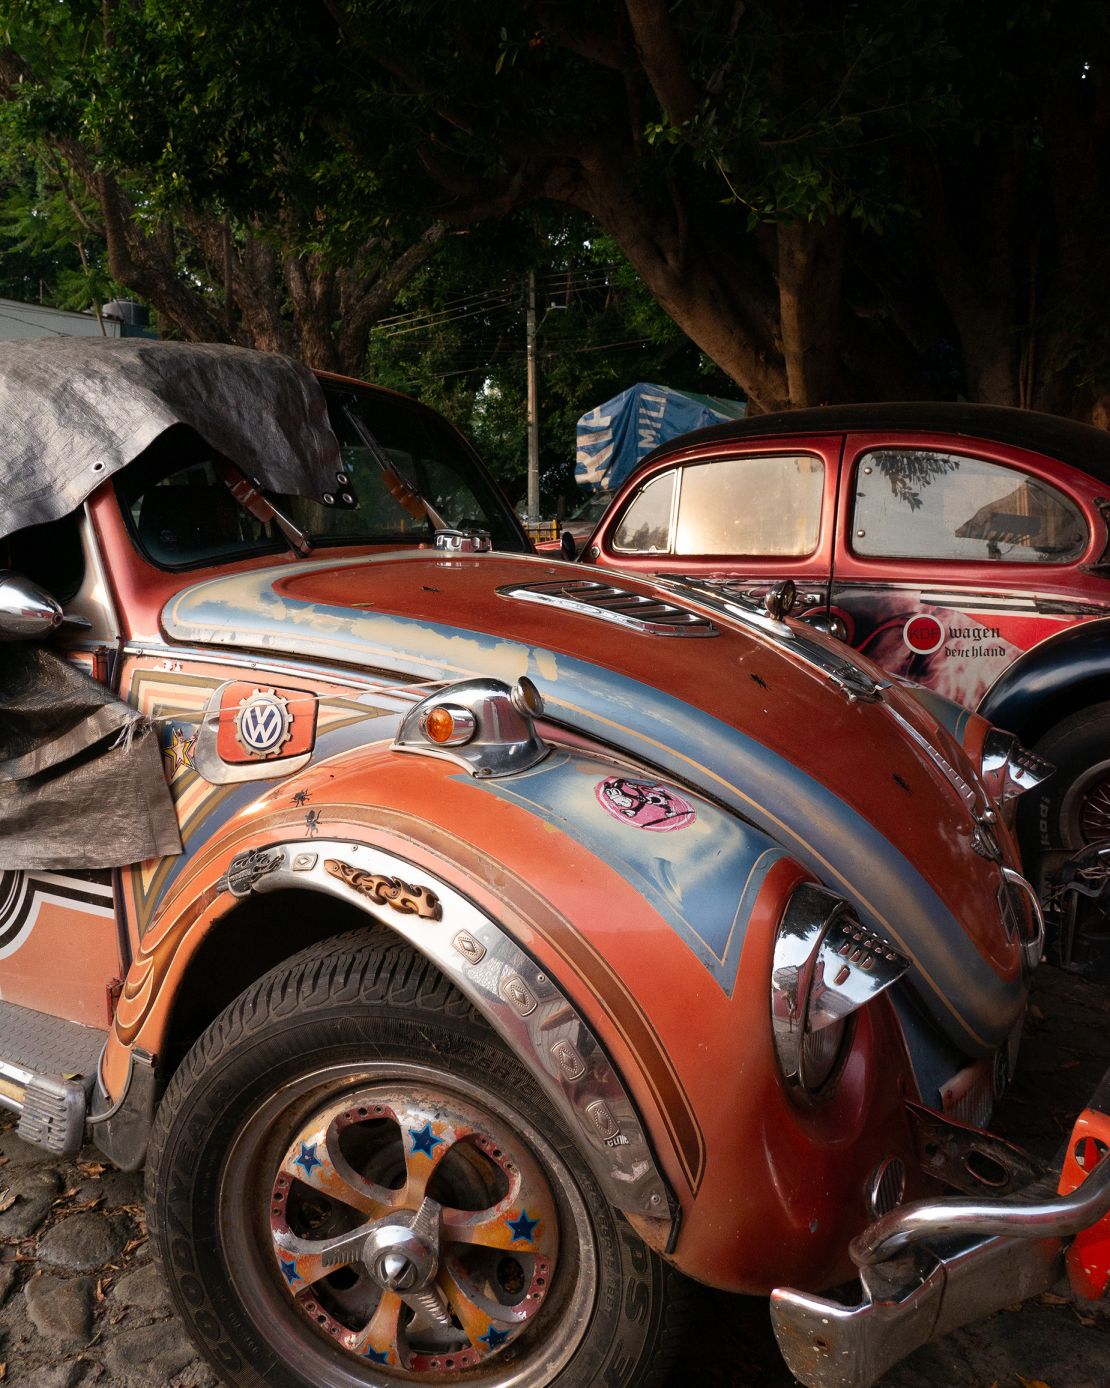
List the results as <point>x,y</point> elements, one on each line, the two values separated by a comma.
<point>82,1303</point>
<point>1055,1340</point>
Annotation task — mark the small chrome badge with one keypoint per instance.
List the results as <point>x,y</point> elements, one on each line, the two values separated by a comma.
<point>263,724</point>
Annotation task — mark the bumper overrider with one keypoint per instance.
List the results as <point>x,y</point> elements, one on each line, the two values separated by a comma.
<point>929,1267</point>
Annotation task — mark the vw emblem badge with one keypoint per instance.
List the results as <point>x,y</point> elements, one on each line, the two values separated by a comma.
<point>263,723</point>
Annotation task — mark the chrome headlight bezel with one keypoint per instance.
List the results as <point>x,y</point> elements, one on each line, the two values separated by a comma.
<point>825,967</point>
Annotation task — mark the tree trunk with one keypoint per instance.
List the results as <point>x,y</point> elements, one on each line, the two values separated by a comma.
<point>810,277</point>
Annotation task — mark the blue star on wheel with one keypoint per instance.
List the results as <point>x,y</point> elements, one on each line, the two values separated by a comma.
<point>494,1338</point>
<point>308,1158</point>
<point>378,1356</point>
<point>289,1270</point>
<point>424,1140</point>
<point>522,1228</point>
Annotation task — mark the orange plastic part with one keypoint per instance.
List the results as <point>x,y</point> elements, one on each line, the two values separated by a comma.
<point>1089,1255</point>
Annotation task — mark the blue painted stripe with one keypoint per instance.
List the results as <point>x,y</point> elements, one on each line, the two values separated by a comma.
<point>961,991</point>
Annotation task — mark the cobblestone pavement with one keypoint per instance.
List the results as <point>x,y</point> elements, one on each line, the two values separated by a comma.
<point>82,1302</point>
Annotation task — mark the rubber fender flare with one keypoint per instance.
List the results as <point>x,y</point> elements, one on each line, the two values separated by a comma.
<point>1063,674</point>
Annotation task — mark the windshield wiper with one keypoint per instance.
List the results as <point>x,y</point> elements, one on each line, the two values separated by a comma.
<point>401,490</point>
<point>262,509</point>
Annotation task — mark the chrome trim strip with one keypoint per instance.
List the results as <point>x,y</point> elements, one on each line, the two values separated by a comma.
<point>392,686</point>
<point>836,665</point>
<point>15,1073</point>
<point>609,603</point>
<point>518,999</point>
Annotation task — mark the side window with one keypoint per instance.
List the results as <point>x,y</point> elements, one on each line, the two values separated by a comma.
<point>645,527</point>
<point>921,504</point>
<point>51,554</point>
<point>751,506</point>
<point>180,512</point>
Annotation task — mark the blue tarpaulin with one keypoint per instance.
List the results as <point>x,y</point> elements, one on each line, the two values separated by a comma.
<point>612,438</point>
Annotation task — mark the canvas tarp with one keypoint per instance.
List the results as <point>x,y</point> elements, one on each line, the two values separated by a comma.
<point>614,437</point>
<point>81,779</point>
<point>76,410</point>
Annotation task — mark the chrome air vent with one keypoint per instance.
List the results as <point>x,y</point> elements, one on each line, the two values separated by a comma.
<point>625,608</point>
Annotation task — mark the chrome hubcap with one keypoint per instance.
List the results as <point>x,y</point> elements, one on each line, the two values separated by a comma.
<point>414,1230</point>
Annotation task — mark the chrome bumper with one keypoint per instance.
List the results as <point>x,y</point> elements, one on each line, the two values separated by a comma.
<point>928,1268</point>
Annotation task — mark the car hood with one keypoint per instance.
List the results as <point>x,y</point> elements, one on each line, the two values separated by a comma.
<point>862,786</point>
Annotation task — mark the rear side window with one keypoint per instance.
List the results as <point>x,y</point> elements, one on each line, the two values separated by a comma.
<point>922,504</point>
<point>747,506</point>
<point>645,527</point>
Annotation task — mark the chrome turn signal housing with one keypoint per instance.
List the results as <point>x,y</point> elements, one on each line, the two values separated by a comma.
<point>825,967</point>
<point>1009,769</point>
<point>484,726</point>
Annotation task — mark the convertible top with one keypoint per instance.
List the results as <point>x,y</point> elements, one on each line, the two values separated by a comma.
<point>77,410</point>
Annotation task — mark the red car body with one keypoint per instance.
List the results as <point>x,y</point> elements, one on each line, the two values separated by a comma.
<point>532,937</point>
<point>1003,612</point>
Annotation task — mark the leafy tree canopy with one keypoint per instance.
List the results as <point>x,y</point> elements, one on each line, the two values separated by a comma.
<point>868,200</point>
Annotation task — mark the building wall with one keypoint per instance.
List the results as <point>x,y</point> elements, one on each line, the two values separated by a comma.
<point>34,320</point>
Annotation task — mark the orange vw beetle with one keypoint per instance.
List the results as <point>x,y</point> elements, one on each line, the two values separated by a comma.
<point>467,946</point>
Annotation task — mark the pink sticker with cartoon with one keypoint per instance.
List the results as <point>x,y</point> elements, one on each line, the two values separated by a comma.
<point>644,804</point>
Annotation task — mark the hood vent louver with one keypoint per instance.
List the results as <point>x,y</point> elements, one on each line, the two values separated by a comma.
<point>622,606</point>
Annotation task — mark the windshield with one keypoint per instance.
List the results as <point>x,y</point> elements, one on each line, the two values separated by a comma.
<point>182,515</point>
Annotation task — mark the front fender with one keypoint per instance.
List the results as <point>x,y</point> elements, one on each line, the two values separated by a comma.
<point>1058,677</point>
<point>648,952</point>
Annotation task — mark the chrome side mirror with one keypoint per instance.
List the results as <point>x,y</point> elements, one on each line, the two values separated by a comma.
<point>26,610</point>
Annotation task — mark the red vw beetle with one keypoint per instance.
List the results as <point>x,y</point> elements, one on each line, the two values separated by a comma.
<point>475,951</point>
<point>965,547</point>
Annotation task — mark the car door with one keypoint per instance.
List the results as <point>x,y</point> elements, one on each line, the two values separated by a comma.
<point>954,555</point>
<point>752,514</point>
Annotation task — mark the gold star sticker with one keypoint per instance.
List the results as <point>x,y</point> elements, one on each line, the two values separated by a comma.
<point>178,752</point>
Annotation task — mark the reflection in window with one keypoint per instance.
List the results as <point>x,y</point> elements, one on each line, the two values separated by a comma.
<point>645,527</point>
<point>921,504</point>
<point>751,506</point>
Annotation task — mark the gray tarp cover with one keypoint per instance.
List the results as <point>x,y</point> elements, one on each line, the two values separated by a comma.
<point>76,410</point>
<point>81,780</point>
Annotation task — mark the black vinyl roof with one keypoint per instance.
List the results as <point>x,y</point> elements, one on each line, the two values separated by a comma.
<point>1080,445</point>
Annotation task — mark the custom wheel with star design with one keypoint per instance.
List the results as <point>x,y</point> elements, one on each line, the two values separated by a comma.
<point>353,1182</point>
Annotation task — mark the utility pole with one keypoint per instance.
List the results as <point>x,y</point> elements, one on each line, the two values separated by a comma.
<point>533,405</point>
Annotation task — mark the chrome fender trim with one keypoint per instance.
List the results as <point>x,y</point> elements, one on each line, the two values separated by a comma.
<point>519,1000</point>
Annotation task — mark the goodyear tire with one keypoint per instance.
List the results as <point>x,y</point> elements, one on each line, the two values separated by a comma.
<point>352,1182</point>
<point>1071,808</point>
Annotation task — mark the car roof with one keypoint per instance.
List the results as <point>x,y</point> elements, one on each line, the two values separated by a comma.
<point>1081,445</point>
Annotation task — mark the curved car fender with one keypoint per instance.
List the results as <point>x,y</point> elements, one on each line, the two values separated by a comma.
<point>1054,679</point>
<point>629,965</point>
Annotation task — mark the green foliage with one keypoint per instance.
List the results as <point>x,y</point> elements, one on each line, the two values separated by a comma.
<point>458,341</point>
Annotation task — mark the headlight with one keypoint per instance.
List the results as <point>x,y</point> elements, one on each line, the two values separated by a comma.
<point>825,967</point>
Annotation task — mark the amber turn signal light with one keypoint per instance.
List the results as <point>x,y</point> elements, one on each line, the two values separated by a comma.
<point>448,725</point>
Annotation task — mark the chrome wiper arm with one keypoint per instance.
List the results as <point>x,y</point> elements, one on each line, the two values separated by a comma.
<point>402,491</point>
<point>263,509</point>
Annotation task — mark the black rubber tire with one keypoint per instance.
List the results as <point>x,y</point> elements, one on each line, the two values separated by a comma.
<point>1049,817</point>
<point>338,1002</point>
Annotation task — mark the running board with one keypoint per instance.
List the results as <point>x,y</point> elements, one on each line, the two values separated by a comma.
<point>47,1070</point>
